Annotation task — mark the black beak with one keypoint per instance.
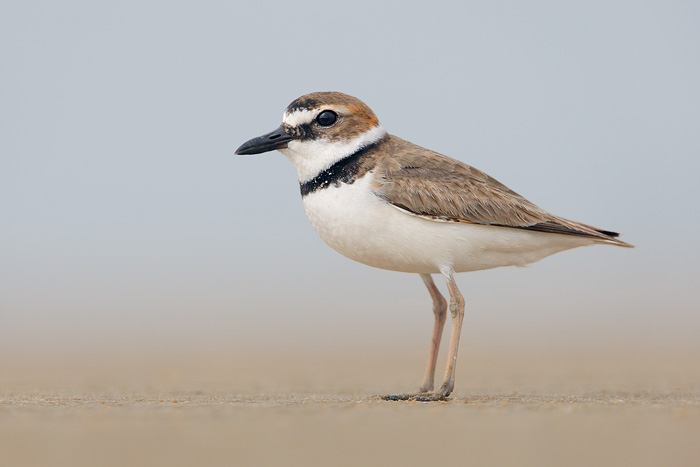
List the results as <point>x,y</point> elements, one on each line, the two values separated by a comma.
<point>276,139</point>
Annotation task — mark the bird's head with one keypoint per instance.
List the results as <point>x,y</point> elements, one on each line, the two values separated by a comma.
<point>319,129</point>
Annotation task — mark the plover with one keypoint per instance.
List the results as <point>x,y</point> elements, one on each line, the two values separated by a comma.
<point>391,204</point>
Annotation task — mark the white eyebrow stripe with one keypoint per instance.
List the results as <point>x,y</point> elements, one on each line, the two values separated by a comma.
<point>299,117</point>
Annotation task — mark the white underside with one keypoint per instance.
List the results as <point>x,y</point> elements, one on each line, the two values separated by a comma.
<point>358,224</point>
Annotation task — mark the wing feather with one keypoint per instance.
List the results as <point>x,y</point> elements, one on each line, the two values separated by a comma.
<point>437,187</point>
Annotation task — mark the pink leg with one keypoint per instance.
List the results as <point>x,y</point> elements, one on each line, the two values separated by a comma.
<point>440,312</point>
<point>457,312</point>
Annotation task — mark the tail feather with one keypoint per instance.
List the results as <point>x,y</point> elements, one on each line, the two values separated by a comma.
<point>608,233</point>
<point>566,227</point>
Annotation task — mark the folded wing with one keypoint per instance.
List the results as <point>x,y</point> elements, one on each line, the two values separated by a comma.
<point>439,188</point>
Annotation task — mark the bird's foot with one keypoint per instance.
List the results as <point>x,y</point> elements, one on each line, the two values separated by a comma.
<point>419,397</point>
<point>446,387</point>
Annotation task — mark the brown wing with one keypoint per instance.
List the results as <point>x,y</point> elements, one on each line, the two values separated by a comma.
<point>434,186</point>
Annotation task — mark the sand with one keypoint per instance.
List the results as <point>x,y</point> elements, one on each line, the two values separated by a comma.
<point>512,406</point>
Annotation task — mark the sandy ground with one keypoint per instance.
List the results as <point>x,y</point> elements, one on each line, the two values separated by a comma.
<point>511,407</point>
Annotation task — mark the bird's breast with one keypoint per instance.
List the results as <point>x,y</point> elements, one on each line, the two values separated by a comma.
<point>357,223</point>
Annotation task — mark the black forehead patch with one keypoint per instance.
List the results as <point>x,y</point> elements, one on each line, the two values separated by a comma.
<point>304,103</point>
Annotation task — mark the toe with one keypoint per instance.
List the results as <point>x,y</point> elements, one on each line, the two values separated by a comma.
<point>419,397</point>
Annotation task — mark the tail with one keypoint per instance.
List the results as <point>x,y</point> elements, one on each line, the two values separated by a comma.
<point>563,226</point>
<point>610,238</point>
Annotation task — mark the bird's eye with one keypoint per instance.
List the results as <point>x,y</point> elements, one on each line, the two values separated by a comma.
<point>327,118</point>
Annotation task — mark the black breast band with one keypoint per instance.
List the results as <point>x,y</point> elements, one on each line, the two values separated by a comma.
<point>344,171</point>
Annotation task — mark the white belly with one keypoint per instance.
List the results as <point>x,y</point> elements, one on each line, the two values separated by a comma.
<point>358,224</point>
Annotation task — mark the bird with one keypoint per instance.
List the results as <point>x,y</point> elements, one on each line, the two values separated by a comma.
<point>391,204</point>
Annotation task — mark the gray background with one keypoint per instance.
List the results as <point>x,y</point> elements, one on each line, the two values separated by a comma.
<point>126,219</point>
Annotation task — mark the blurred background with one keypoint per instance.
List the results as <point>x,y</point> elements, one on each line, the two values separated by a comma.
<point>126,220</point>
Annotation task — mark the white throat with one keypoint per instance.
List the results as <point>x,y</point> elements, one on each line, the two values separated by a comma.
<point>314,156</point>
